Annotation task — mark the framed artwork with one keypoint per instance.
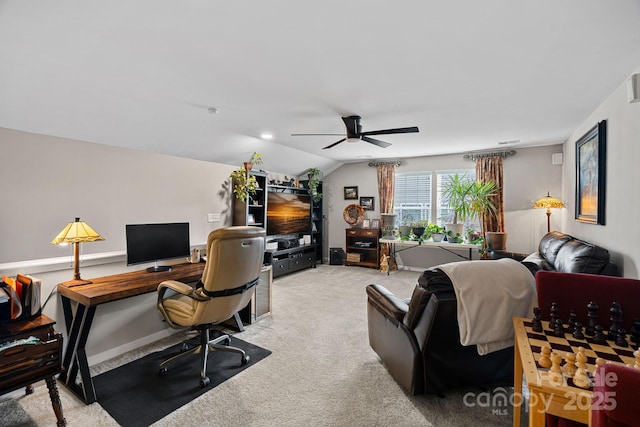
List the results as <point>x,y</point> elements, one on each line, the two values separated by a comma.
<point>351,193</point>
<point>375,223</point>
<point>591,174</point>
<point>366,223</point>
<point>366,203</point>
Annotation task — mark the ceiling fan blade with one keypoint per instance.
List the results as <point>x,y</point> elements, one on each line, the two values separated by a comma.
<point>376,142</point>
<point>412,129</point>
<point>352,124</point>
<point>317,134</point>
<point>335,143</point>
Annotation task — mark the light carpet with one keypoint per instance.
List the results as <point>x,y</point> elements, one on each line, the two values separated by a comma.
<point>322,371</point>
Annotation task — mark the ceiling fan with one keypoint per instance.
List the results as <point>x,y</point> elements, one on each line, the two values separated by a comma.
<point>355,134</point>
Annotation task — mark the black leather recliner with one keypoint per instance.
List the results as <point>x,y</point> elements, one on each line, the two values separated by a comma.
<point>418,340</point>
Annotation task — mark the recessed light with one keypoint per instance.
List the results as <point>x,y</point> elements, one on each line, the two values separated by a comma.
<point>266,136</point>
<point>514,141</point>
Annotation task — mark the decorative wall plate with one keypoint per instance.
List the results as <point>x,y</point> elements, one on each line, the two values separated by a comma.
<point>353,214</point>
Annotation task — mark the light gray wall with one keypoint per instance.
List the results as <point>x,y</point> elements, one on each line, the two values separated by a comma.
<point>621,231</point>
<point>528,176</point>
<point>47,181</point>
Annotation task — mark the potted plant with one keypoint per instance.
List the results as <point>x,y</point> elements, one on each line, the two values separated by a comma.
<point>405,227</point>
<point>314,175</point>
<point>469,199</point>
<point>245,184</point>
<point>418,229</point>
<point>436,232</point>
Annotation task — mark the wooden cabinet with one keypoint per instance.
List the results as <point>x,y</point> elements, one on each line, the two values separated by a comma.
<point>289,260</point>
<point>31,351</point>
<point>362,247</point>
<point>252,211</point>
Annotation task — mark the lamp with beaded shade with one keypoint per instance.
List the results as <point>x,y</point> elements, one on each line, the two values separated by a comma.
<point>548,202</point>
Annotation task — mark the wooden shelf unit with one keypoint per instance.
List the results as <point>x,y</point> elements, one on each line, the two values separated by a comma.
<point>364,243</point>
<point>253,211</point>
<point>317,223</point>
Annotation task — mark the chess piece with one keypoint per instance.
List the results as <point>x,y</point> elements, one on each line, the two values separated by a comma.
<point>635,332</point>
<point>636,354</point>
<point>573,318</point>
<point>581,378</point>
<point>622,338</point>
<point>599,337</point>
<point>615,317</point>
<point>577,330</point>
<point>558,328</point>
<point>553,315</point>
<point>536,322</point>
<point>555,373</point>
<point>545,360</point>
<point>570,367</point>
<point>592,315</point>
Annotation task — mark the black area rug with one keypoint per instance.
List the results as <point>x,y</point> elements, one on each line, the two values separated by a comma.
<point>135,395</point>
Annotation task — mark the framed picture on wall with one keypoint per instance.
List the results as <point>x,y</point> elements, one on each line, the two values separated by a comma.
<point>366,223</point>
<point>351,193</point>
<point>366,203</point>
<point>590,175</point>
<point>375,224</point>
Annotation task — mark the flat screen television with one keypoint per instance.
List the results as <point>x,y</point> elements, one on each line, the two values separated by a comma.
<point>288,213</point>
<point>157,242</point>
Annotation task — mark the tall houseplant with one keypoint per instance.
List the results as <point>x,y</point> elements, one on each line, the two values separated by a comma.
<point>314,175</point>
<point>245,184</point>
<point>469,199</point>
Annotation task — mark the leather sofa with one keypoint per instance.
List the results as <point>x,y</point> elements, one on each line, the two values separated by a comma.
<point>418,340</point>
<point>564,253</point>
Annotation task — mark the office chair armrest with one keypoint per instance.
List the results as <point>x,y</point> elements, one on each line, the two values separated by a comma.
<point>175,286</point>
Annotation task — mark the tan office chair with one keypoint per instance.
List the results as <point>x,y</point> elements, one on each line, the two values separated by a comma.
<point>234,261</point>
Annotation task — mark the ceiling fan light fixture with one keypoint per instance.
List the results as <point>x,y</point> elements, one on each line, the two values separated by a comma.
<point>353,139</point>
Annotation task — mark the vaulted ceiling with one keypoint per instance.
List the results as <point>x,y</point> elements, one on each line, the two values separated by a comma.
<point>146,74</point>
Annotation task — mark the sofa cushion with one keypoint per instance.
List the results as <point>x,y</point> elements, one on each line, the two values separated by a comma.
<point>537,260</point>
<point>577,256</point>
<point>550,245</point>
<point>418,302</point>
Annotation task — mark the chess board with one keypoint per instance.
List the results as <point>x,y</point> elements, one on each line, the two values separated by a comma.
<point>609,351</point>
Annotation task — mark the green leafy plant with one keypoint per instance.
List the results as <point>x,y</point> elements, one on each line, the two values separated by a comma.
<point>314,175</point>
<point>435,229</point>
<point>469,199</point>
<point>244,184</point>
<point>256,158</point>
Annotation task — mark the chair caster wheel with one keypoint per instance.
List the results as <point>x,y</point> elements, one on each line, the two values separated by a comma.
<point>184,347</point>
<point>163,371</point>
<point>204,382</point>
<point>245,359</point>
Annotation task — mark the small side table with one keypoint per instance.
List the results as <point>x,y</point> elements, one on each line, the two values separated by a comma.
<point>23,365</point>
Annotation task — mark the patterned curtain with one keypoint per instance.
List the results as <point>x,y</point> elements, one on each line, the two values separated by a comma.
<point>490,169</point>
<point>386,188</point>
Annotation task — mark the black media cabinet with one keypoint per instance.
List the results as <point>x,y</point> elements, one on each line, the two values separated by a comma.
<point>285,261</point>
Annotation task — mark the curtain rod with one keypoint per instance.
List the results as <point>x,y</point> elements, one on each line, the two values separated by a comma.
<point>379,163</point>
<point>503,154</point>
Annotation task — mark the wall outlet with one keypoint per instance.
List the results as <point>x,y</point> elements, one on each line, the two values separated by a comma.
<point>213,217</point>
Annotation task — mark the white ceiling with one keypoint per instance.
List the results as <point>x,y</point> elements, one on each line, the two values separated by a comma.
<point>468,73</point>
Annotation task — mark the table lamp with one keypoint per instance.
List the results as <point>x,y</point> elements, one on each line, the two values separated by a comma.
<point>75,233</point>
<point>548,202</point>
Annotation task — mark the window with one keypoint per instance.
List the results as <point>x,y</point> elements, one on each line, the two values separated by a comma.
<point>418,196</point>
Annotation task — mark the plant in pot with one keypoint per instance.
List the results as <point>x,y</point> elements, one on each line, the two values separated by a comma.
<point>436,232</point>
<point>244,184</point>
<point>314,175</point>
<point>256,159</point>
<point>468,199</point>
<point>405,227</point>
<point>418,229</point>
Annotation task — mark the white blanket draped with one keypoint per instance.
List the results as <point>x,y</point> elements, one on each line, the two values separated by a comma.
<point>490,293</point>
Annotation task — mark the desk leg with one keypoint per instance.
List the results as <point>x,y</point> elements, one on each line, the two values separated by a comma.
<point>75,356</point>
<point>517,386</point>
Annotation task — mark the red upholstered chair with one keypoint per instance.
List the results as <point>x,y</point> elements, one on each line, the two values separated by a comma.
<point>615,402</point>
<point>573,291</point>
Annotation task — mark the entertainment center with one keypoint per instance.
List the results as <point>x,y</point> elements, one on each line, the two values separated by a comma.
<point>293,222</point>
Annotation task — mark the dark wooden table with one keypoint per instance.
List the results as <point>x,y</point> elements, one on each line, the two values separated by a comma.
<point>23,365</point>
<point>102,290</point>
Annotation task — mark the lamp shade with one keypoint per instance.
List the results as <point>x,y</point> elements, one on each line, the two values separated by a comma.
<point>77,232</point>
<point>548,202</point>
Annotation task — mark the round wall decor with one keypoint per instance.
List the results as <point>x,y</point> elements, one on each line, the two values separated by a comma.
<point>353,214</point>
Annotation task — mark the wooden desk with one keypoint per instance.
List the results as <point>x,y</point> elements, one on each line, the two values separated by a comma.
<point>87,298</point>
<point>23,365</point>
<point>545,395</point>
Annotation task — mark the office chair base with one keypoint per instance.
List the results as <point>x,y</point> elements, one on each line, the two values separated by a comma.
<point>203,349</point>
